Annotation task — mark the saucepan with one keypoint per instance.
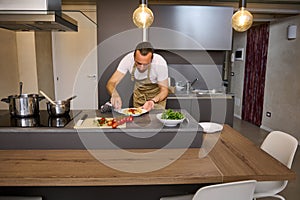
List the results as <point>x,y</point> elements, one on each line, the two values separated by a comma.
<point>59,108</point>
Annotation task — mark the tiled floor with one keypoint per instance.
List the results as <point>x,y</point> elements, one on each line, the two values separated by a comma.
<point>257,135</point>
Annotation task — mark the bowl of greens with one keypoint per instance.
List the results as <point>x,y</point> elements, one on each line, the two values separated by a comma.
<point>170,118</point>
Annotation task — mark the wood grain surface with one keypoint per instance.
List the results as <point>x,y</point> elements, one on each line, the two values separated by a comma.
<point>233,158</point>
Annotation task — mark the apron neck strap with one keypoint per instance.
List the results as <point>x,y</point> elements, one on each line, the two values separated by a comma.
<point>134,68</point>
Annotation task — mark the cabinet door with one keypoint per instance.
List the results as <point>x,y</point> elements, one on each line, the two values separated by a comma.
<point>179,104</point>
<point>219,110</point>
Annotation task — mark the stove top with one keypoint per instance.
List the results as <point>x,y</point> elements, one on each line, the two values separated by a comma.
<point>42,120</point>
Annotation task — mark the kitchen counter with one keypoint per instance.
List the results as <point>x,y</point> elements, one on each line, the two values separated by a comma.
<point>145,132</point>
<point>191,95</point>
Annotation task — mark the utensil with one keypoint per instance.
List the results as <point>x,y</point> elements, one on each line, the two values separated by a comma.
<point>47,97</point>
<point>21,87</point>
<point>79,122</point>
<point>71,98</point>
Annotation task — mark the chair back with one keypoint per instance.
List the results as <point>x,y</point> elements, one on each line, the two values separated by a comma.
<point>240,190</point>
<point>281,146</point>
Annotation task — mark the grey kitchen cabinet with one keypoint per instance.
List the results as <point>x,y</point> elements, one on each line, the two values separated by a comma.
<point>191,27</point>
<point>219,109</point>
<point>180,104</point>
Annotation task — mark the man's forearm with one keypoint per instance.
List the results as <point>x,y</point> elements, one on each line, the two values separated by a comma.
<point>161,95</point>
<point>110,87</point>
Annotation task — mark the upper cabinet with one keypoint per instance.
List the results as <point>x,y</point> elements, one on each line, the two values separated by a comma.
<point>191,27</point>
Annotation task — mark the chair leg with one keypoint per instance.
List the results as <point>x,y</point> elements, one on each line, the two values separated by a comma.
<point>276,196</point>
<point>279,197</point>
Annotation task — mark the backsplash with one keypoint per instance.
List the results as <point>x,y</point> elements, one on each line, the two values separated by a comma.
<point>209,76</point>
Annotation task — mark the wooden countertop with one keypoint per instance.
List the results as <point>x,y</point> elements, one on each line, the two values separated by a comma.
<point>233,158</point>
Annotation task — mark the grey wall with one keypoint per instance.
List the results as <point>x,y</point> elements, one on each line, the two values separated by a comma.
<point>282,86</point>
<point>118,35</point>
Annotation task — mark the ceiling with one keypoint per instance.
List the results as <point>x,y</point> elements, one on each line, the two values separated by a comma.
<point>262,10</point>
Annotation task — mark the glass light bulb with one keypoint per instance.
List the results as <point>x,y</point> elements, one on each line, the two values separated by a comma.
<point>242,20</point>
<point>143,16</point>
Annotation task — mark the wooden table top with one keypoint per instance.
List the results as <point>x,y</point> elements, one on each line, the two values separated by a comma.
<point>233,158</point>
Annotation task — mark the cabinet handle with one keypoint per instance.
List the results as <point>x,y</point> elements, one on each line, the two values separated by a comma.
<point>92,76</point>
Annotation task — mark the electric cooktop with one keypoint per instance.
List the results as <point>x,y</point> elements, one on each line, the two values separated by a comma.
<point>41,120</point>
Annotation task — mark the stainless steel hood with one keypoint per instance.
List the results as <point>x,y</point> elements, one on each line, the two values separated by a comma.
<point>35,15</point>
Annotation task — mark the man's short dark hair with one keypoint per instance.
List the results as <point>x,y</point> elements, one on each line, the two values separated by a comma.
<point>144,48</point>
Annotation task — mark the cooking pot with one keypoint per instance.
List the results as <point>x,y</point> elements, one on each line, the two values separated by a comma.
<point>23,105</point>
<point>60,108</point>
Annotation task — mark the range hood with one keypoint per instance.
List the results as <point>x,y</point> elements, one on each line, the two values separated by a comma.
<point>35,15</point>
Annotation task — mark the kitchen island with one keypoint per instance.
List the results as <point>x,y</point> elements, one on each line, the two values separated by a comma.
<point>233,158</point>
<point>144,132</point>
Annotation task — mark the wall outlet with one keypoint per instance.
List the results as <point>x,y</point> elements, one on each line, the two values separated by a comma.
<point>268,114</point>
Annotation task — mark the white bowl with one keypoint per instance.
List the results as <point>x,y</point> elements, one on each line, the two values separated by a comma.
<point>169,122</point>
<point>210,127</point>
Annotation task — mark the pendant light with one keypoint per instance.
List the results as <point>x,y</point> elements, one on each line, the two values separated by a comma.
<point>143,16</point>
<point>242,19</point>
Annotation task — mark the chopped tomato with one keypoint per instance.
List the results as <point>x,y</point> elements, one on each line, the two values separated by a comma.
<point>114,125</point>
<point>130,118</point>
<point>109,123</point>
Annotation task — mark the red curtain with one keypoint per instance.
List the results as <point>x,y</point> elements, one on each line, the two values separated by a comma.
<point>255,70</point>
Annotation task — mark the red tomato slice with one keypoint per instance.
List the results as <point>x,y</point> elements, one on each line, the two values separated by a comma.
<point>114,125</point>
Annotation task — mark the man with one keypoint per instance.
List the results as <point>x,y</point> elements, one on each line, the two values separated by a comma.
<point>150,73</point>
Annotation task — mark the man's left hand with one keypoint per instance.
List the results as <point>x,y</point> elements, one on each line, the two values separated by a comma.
<point>149,105</point>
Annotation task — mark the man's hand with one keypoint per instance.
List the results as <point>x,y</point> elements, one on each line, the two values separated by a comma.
<point>149,105</point>
<point>116,101</point>
<point>111,85</point>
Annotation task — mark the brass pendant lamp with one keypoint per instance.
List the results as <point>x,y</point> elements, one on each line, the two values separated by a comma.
<point>242,20</point>
<point>143,16</point>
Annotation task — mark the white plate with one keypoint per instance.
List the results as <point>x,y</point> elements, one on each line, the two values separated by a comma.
<point>210,127</point>
<point>169,122</point>
<point>123,111</point>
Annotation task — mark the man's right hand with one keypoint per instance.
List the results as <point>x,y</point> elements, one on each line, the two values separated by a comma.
<point>111,85</point>
<point>116,102</point>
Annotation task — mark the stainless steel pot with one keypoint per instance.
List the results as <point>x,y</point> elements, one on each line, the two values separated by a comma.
<point>23,105</point>
<point>60,108</point>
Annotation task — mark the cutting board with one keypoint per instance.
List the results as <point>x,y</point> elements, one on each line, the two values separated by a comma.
<point>90,123</point>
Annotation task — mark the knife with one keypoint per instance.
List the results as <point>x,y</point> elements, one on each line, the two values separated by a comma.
<point>79,122</point>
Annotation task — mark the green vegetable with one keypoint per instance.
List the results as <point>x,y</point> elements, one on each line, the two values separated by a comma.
<point>170,114</point>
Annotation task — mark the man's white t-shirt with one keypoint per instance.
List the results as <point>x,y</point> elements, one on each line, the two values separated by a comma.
<point>158,71</point>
